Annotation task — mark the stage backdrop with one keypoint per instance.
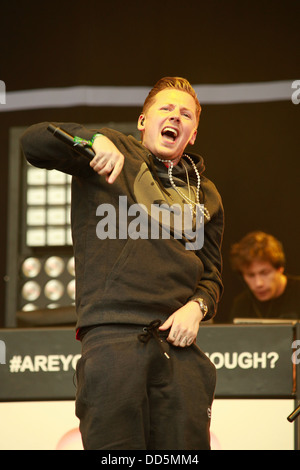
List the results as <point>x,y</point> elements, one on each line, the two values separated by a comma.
<point>248,135</point>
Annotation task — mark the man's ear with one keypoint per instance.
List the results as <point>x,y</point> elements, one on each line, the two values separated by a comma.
<point>141,121</point>
<point>193,137</point>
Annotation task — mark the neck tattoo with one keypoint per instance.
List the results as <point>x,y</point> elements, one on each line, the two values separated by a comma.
<point>193,204</point>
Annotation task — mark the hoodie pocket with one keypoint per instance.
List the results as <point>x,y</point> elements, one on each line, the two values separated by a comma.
<point>152,271</point>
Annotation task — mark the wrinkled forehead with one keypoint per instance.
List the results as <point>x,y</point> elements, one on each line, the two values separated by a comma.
<point>171,95</point>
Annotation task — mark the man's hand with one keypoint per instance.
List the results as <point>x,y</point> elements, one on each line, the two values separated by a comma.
<point>108,160</point>
<point>184,325</point>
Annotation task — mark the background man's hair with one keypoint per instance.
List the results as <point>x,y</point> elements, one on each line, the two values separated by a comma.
<point>257,246</point>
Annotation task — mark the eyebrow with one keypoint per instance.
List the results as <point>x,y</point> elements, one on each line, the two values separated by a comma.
<point>182,109</point>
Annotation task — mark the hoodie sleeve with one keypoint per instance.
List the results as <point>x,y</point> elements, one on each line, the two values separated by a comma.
<point>43,150</point>
<point>210,288</point>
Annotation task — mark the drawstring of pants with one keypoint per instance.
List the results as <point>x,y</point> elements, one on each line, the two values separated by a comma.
<point>151,331</point>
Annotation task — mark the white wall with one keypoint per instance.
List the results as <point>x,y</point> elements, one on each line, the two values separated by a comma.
<point>236,425</point>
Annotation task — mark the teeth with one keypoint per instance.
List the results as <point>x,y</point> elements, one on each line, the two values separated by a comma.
<point>170,130</point>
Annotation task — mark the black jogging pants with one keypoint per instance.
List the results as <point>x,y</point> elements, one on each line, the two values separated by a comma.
<point>135,391</point>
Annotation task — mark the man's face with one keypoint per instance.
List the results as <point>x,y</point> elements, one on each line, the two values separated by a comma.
<point>263,280</point>
<point>169,124</point>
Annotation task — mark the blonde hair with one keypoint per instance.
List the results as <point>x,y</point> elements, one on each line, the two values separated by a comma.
<point>178,83</point>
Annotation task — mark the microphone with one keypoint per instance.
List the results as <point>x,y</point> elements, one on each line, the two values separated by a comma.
<point>294,414</point>
<point>81,146</point>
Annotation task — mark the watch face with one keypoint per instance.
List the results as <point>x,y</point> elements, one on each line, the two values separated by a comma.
<point>203,306</point>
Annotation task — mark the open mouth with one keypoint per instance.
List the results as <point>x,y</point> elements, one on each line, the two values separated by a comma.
<point>170,133</point>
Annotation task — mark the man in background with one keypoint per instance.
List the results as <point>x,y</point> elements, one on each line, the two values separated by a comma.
<point>270,293</point>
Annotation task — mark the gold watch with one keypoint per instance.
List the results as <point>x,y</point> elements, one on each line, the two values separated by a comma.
<point>202,305</point>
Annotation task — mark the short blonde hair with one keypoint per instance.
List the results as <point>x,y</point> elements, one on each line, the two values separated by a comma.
<point>178,83</point>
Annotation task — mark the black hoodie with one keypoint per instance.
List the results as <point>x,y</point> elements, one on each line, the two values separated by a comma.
<point>123,274</point>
